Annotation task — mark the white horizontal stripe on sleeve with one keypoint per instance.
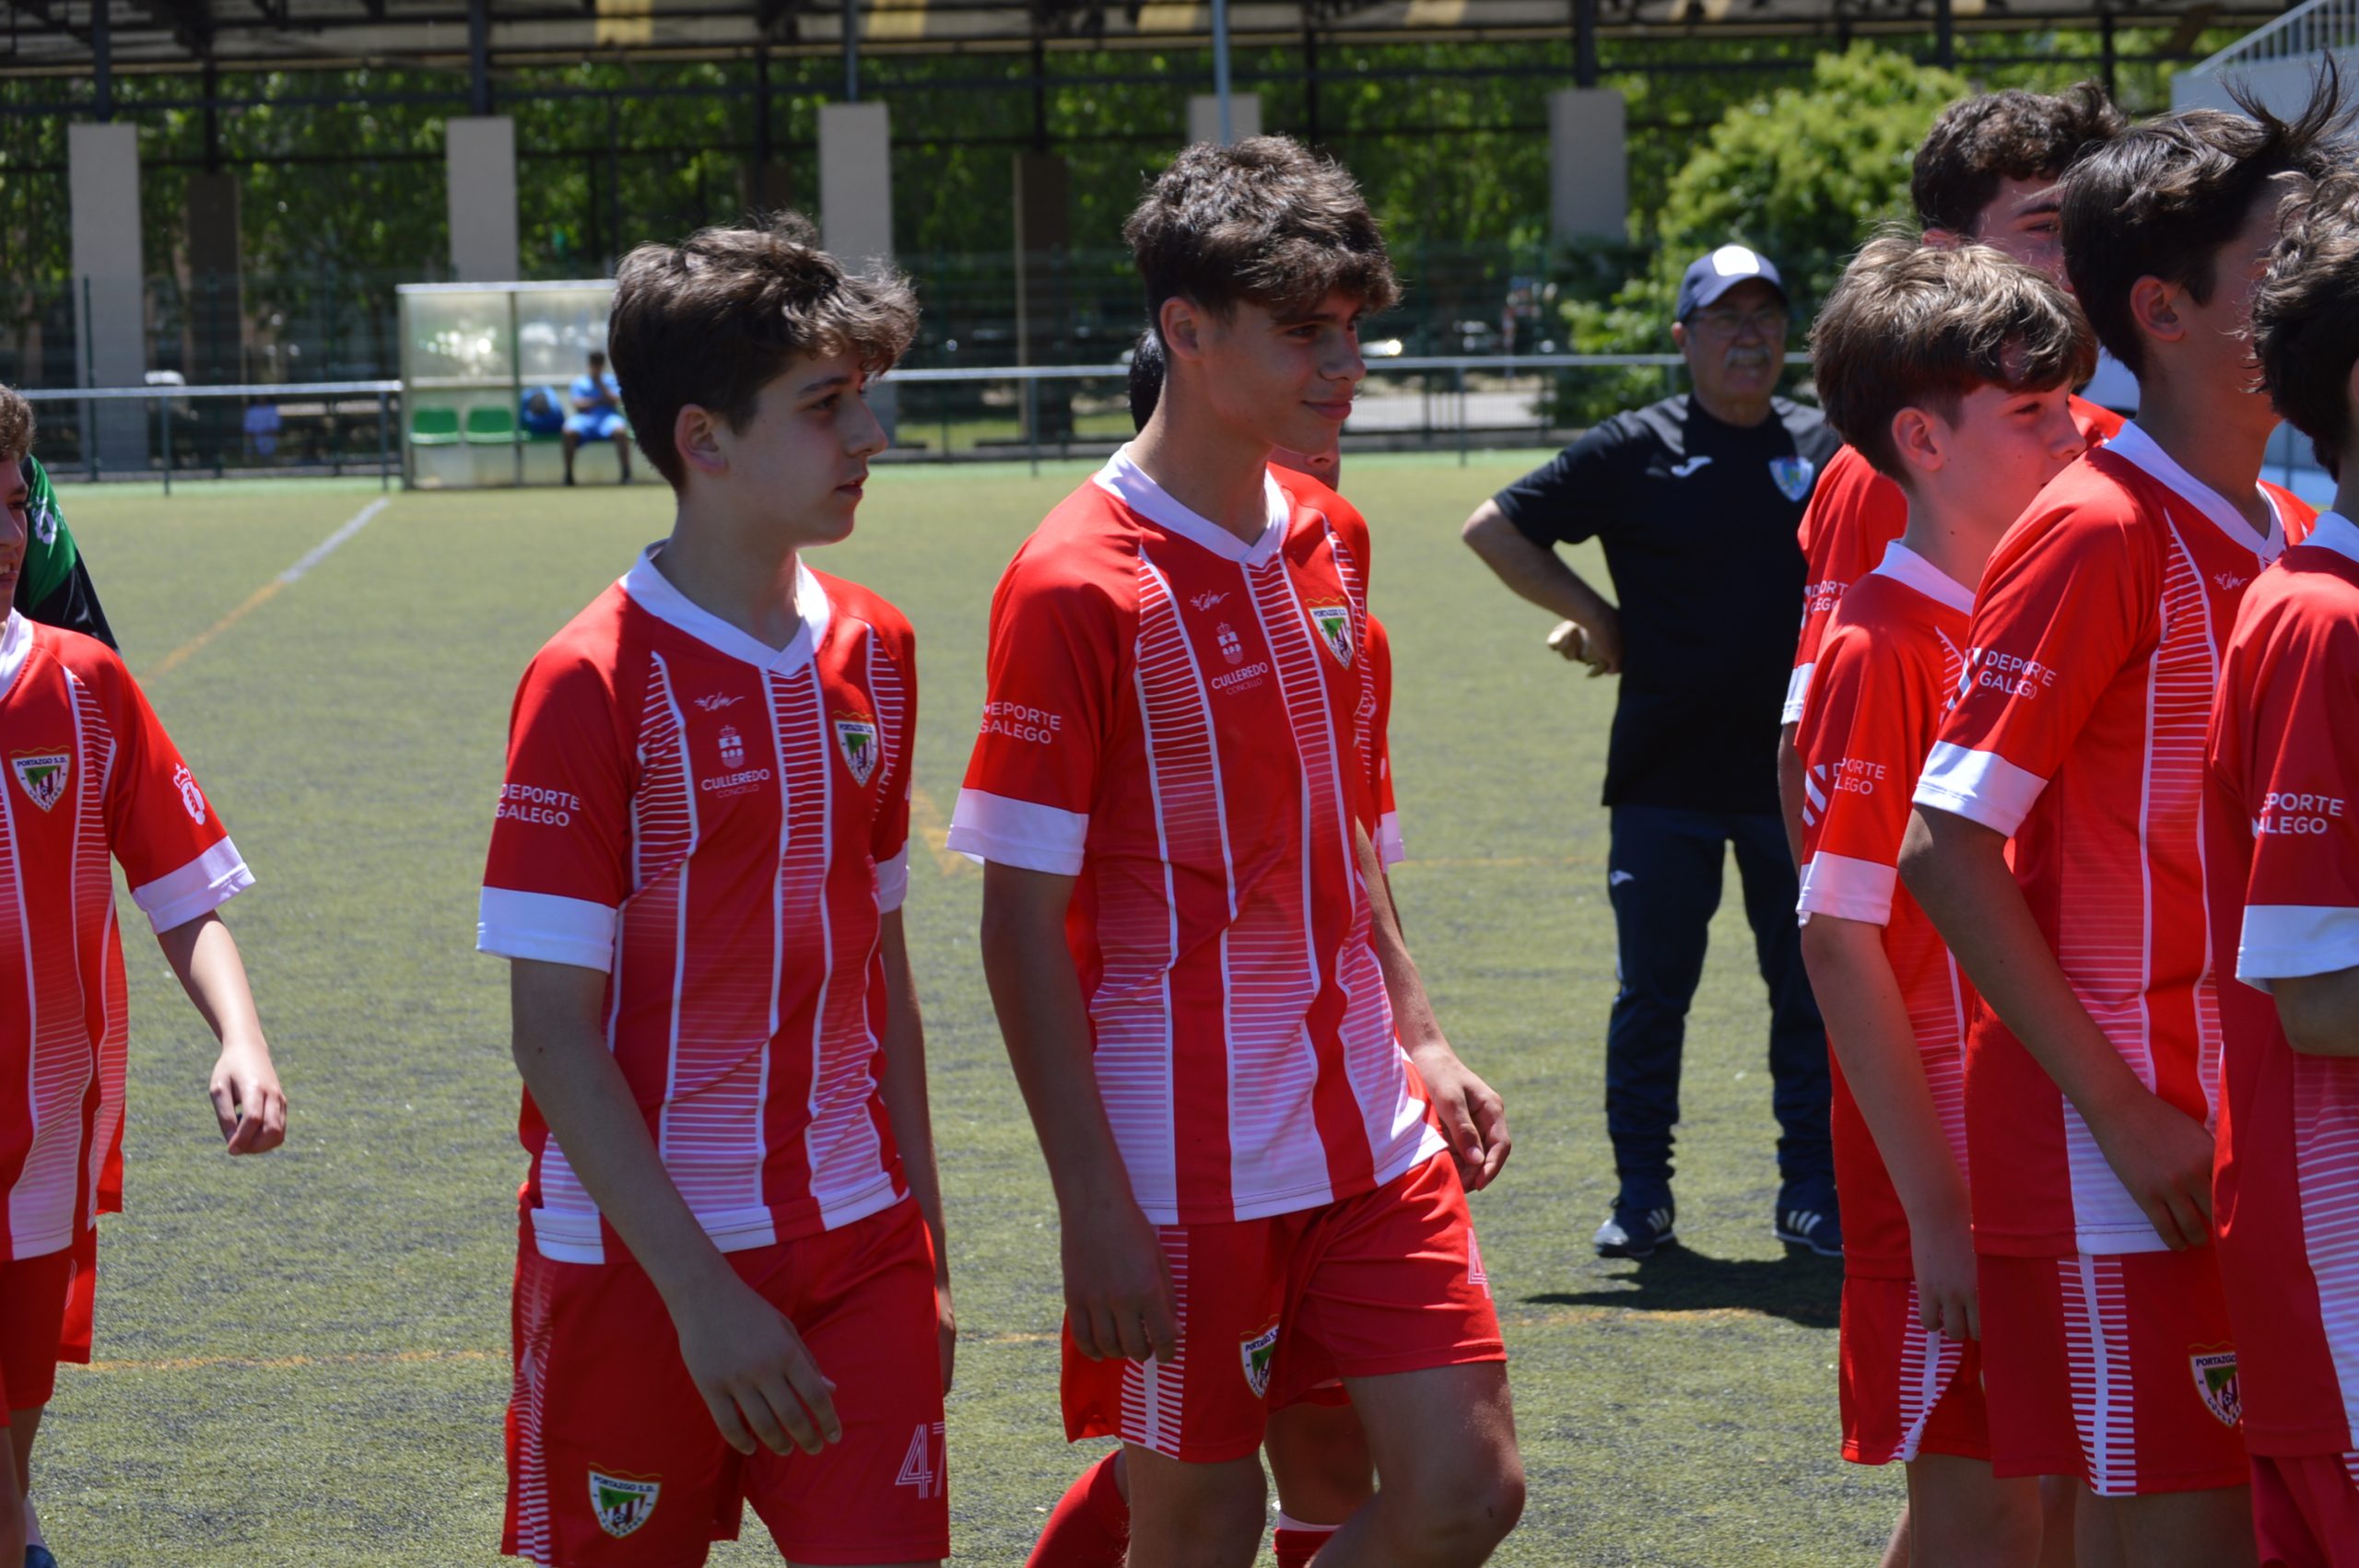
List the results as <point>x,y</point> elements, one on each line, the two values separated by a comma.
<point>197,888</point>
<point>546,928</point>
<point>2283,942</point>
<point>1030,836</point>
<point>893,881</point>
<point>1848,888</point>
<point>1391,848</point>
<point>1797,689</point>
<point>1981,786</point>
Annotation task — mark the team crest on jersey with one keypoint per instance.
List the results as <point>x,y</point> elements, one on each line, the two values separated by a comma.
<point>1792,477</point>
<point>1334,623</point>
<point>1257,1354</point>
<point>623,1503</point>
<point>856,736</point>
<point>2215,1382</point>
<point>43,775</point>
<point>191,798</point>
<point>1232,647</point>
<point>733,747</point>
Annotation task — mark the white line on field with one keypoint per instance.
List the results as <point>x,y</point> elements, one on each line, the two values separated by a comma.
<point>255,601</point>
<point>327,547</point>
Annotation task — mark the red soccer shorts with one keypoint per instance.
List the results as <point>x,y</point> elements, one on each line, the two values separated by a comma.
<point>1905,1389</point>
<point>613,1457</point>
<point>1270,1309</point>
<point>34,1294</point>
<point>2119,1369</point>
<point>2306,1511</point>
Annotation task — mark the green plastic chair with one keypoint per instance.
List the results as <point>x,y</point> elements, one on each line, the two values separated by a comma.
<point>492,425</point>
<point>433,424</point>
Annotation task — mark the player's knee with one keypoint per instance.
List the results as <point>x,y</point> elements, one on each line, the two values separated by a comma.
<point>1456,1514</point>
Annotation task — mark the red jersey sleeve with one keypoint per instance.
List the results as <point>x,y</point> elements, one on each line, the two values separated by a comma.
<point>1853,514</point>
<point>2291,742</point>
<point>1390,846</point>
<point>888,843</point>
<point>1861,747</point>
<point>2067,601</point>
<point>1051,679</point>
<point>559,864</point>
<point>174,851</point>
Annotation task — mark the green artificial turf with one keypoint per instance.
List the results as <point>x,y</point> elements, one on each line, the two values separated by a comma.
<point>302,1358</point>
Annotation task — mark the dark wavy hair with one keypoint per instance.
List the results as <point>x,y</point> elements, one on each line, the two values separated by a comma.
<point>16,426</point>
<point>2014,135</point>
<point>2305,318</point>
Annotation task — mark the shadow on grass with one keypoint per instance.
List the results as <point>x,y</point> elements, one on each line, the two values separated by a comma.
<point>1802,1288</point>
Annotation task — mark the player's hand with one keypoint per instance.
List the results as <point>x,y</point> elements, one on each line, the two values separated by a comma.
<point>2164,1157</point>
<point>247,1100</point>
<point>1474,1119</point>
<point>1599,647</point>
<point>1118,1284</point>
<point>946,1331</point>
<point>756,1376</point>
<point>1948,1301</point>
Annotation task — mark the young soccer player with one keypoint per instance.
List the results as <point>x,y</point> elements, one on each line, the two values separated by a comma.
<point>2281,862</point>
<point>1986,173</point>
<point>91,774</point>
<point>1951,371</point>
<point>2078,732</point>
<point>730,1284</point>
<point>1171,778</point>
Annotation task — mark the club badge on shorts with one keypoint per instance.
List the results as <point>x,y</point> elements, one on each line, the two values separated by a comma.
<point>1334,623</point>
<point>623,1503</point>
<point>1256,1353</point>
<point>856,733</point>
<point>1792,477</point>
<point>2216,1383</point>
<point>42,775</point>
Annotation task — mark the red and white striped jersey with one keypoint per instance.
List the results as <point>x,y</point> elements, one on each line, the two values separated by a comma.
<point>1853,514</point>
<point>720,826</point>
<point>91,774</point>
<point>2282,840</point>
<point>2079,730</point>
<point>1185,722</point>
<point>1892,657</point>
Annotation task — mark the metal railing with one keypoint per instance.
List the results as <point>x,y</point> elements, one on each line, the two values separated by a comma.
<point>282,399</point>
<point>2315,27</point>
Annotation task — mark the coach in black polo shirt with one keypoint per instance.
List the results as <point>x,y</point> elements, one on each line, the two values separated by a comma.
<point>1696,500</point>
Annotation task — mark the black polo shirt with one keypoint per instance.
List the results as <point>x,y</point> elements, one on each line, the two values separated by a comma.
<point>1699,519</point>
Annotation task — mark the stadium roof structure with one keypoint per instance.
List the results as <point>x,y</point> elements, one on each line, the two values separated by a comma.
<point>102,36</point>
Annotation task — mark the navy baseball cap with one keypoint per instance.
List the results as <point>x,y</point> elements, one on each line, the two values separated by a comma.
<point>1715,274</point>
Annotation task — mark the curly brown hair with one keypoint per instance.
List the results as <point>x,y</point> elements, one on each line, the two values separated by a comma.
<point>16,426</point>
<point>712,321</point>
<point>1265,221</point>
<point>2305,318</point>
<point>1919,326</point>
<point>2014,135</point>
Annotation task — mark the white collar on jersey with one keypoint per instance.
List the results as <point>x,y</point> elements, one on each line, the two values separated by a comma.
<point>16,644</point>
<point>653,592</point>
<point>2139,448</point>
<point>1908,569</point>
<point>2336,533</point>
<point>1127,483</point>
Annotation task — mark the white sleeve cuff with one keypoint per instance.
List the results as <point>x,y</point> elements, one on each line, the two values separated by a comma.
<point>2283,942</point>
<point>1391,848</point>
<point>546,928</point>
<point>1981,786</point>
<point>197,888</point>
<point>1797,689</point>
<point>1018,833</point>
<point>893,881</point>
<point>1848,888</point>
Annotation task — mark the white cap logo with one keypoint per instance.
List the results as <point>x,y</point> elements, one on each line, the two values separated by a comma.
<point>1736,260</point>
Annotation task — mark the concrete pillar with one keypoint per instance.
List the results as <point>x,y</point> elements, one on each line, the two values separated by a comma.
<point>856,204</point>
<point>1043,249</point>
<point>1589,165</point>
<point>110,304</point>
<point>1204,116</point>
<point>481,150</point>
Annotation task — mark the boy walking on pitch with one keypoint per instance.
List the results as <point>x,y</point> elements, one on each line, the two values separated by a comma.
<point>724,1291</point>
<point>1185,928</point>
<point>2281,862</point>
<point>1951,371</point>
<point>2078,732</point>
<point>91,775</point>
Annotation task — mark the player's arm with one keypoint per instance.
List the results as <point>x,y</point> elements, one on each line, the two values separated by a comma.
<point>903,1086</point>
<point>1117,1286</point>
<point>747,1360</point>
<point>246,1097</point>
<point>2321,1012</point>
<point>1957,870</point>
<point>1867,1025</point>
<point>1474,1119</point>
<point>1537,573</point>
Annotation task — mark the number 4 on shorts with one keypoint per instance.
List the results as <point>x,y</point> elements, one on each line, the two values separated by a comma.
<point>926,1465</point>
